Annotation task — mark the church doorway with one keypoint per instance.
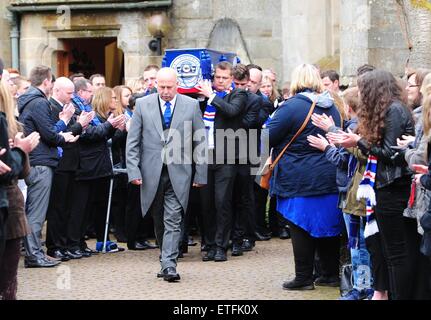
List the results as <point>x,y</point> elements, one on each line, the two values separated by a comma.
<point>90,56</point>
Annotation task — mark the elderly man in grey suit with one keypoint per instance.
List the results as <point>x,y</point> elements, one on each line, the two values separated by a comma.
<point>166,136</point>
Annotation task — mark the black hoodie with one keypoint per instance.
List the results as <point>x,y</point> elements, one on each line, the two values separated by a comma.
<point>36,115</point>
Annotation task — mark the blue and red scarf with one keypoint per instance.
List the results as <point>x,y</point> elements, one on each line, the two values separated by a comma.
<point>366,191</point>
<point>210,114</point>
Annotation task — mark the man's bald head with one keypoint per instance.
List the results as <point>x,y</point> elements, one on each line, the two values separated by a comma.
<point>255,80</point>
<point>167,83</point>
<point>63,90</point>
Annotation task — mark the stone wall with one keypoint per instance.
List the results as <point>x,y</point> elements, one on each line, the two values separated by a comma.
<point>5,48</point>
<point>259,23</point>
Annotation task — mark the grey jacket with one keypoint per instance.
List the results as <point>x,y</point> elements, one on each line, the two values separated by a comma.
<point>147,146</point>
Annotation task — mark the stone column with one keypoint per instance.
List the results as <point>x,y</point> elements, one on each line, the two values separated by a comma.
<point>306,32</point>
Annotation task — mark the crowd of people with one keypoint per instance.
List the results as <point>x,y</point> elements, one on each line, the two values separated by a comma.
<point>352,171</point>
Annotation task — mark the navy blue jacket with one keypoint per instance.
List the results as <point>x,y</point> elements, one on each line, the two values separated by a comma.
<point>36,115</point>
<point>340,157</point>
<point>303,170</point>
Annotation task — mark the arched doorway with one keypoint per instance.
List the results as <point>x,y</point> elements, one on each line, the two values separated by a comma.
<point>90,56</point>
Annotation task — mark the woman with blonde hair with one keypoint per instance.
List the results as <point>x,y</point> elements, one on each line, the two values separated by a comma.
<point>15,227</point>
<point>304,181</point>
<point>95,170</point>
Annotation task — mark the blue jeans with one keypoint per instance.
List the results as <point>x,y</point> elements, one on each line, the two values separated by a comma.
<point>361,264</point>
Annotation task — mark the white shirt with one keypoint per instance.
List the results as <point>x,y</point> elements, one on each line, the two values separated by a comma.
<point>163,106</point>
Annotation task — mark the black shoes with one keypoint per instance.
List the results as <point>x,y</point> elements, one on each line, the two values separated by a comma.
<point>73,254</point>
<point>58,254</point>
<point>284,234</point>
<point>236,250</point>
<point>191,242</point>
<point>142,245</point>
<point>40,263</point>
<point>261,236</point>
<point>170,274</point>
<point>209,256</point>
<point>333,281</point>
<point>298,285</point>
<point>247,245</point>
<point>220,255</point>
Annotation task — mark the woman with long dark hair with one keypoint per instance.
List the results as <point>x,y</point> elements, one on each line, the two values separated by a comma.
<point>383,119</point>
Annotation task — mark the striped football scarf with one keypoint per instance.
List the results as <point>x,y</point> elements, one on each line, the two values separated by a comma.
<point>210,114</point>
<point>366,191</point>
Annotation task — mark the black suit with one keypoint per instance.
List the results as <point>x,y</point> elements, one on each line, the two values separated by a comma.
<point>217,195</point>
<point>62,193</point>
<point>244,217</point>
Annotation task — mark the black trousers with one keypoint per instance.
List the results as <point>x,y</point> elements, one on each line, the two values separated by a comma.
<point>379,267</point>
<point>391,202</point>
<point>90,196</point>
<point>60,204</point>
<point>261,200</point>
<point>304,248</point>
<point>119,203</point>
<point>136,227</point>
<point>3,217</point>
<point>419,267</point>
<point>276,220</point>
<point>244,207</point>
<point>217,205</point>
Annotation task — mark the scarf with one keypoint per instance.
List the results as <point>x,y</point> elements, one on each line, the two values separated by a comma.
<point>80,103</point>
<point>210,114</point>
<point>366,191</point>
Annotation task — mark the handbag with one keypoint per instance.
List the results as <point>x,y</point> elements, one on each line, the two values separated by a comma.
<point>269,166</point>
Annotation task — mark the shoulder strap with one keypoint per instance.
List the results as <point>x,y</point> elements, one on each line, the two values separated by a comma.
<point>304,124</point>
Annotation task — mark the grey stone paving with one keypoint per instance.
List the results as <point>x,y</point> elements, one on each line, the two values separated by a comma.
<point>131,275</point>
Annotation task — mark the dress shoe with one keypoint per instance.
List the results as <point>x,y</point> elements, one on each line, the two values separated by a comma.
<point>40,263</point>
<point>298,285</point>
<point>220,255</point>
<point>261,236</point>
<point>145,244</point>
<point>91,252</point>
<point>191,242</point>
<point>171,275</point>
<point>284,234</point>
<point>209,256</point>
<point>323,281</point>
<point>205,248</point>
<point>237,250</point>
<point>247,245</point>
<point>73,254</point>
<point>58,254</point>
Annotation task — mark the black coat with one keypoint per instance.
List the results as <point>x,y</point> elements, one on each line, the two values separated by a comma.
<point>36,115</point>
<point>94,154</point>
<point>230,111</point>
<point>70,159</point>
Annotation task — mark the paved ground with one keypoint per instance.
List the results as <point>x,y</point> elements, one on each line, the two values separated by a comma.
<point>131,275</point>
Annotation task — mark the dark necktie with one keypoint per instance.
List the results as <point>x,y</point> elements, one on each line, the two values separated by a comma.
<point>167,115</point>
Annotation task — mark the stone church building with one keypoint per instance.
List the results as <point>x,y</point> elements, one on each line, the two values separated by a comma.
<point>112,36</point>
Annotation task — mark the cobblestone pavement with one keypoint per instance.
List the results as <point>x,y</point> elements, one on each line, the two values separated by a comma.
<point>131,275</point>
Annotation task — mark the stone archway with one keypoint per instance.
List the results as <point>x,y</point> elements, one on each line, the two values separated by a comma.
<point>227,36</point>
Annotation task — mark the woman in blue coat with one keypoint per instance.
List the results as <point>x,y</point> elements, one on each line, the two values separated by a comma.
<point>304,182</point>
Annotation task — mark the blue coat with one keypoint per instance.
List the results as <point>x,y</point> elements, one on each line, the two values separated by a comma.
<point>302,171</point>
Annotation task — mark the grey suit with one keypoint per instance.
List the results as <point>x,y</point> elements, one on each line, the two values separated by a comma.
<point>165,188</point>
